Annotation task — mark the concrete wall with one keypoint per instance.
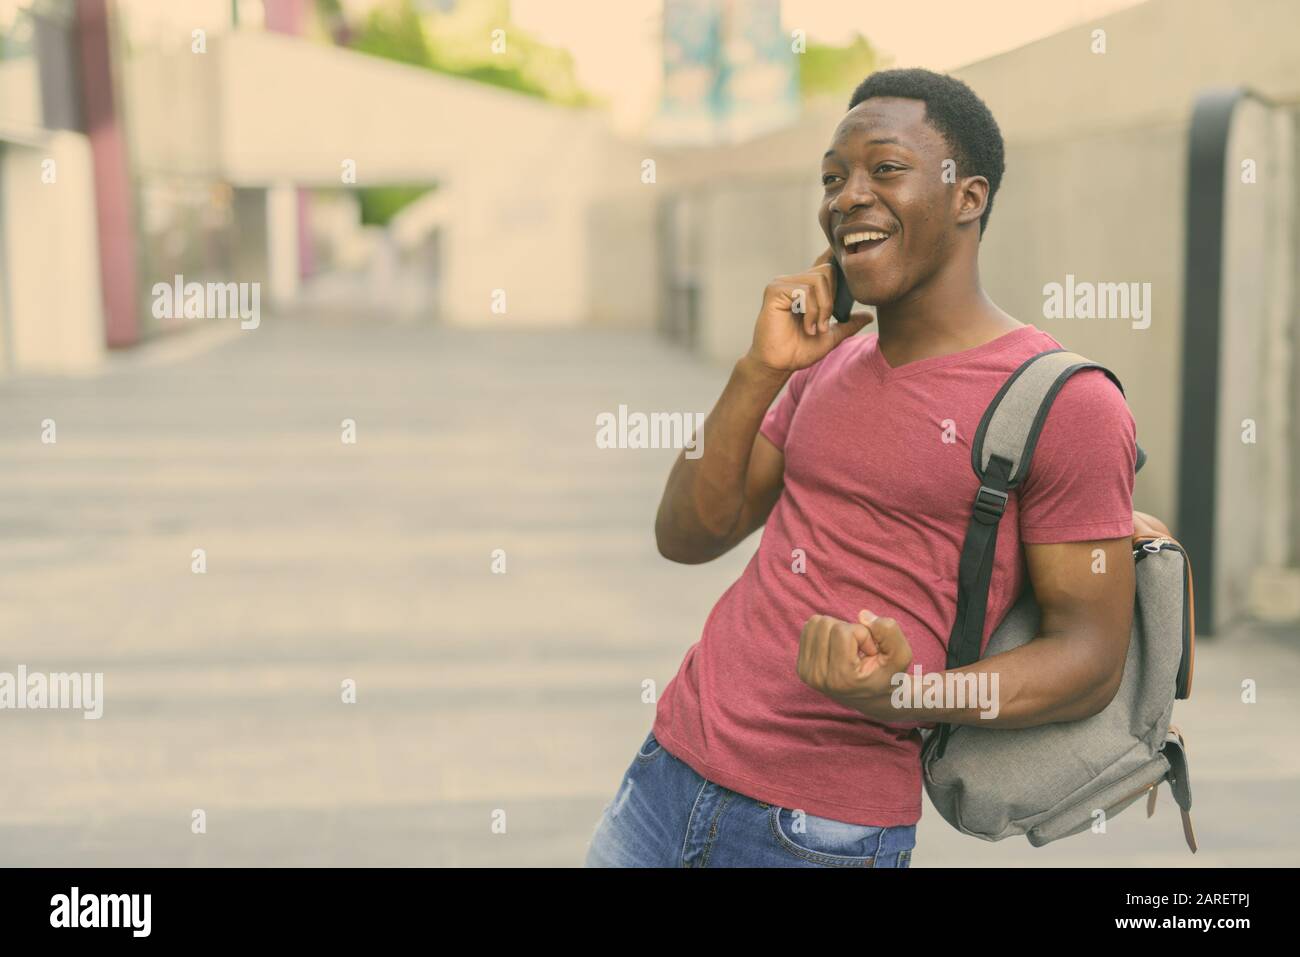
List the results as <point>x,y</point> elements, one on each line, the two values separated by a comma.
<point>50,303</point>
<point>1104,207</point>
<point>751,230</point>
<point>171,100</point>
<point>622,258</point>
<point>518,177</point>
<point>1258,490</point>
<point>1157,54</point>
<point>20,94</point>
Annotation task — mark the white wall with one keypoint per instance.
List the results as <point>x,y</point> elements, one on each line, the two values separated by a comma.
<point>622,258</point>
<point>518,175</point>
<point>52,303</point>
<point>1256,364</point>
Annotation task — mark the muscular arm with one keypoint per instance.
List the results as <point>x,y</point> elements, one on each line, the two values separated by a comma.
<point>713,502</point>
<point>1072,670</point>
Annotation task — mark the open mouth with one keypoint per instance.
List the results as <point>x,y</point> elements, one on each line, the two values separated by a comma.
<point>863,241</point>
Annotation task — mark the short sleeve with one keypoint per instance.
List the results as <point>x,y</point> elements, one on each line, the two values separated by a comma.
<point>1080,482</point>
<point>776,424</point>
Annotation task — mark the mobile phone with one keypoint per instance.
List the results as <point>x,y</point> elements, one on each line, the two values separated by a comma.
<point>843,297</point>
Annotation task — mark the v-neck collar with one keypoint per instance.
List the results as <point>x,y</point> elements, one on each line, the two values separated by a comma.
<point>887,373</point>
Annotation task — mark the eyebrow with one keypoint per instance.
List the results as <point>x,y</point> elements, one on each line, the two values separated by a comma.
<point>871,142</point>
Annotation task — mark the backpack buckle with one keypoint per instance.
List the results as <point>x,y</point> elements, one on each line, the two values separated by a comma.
<point>990,502</point>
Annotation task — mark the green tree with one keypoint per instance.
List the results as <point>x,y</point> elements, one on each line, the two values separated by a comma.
<point>836,71</point>
<point>396,31</point>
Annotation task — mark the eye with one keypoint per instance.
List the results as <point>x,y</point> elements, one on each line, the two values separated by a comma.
<point>888,167</point>
<point>827,177</point>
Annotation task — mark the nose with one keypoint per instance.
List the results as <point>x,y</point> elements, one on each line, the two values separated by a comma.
<point>856,192</point>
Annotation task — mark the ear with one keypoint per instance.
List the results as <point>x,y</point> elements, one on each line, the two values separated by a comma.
<point>972,197</point>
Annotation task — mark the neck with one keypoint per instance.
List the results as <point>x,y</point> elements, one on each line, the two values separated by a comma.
<point>947,313</point>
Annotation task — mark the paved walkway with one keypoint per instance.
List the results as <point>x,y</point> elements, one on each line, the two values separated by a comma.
<point>476,692</point>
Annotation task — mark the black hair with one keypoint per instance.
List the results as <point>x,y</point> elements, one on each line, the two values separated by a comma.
<point>953,109</point>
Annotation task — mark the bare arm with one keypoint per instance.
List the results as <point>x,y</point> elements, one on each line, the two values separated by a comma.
<point>1071,671</point>
<point>1073,668</point>
<point>713,502</point>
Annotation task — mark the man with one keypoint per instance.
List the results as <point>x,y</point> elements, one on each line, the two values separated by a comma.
<point>778,744</point>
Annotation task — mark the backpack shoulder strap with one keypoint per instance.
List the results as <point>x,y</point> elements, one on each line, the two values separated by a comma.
<point>1001,452</point>
<point>1014,419</point>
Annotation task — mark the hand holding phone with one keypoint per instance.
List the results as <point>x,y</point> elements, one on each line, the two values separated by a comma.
<point>794,327</point>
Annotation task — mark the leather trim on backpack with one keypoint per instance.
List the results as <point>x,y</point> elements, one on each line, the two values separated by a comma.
<point>1186,691</point>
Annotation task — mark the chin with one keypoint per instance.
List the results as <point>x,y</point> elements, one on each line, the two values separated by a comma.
<point>872,294</point>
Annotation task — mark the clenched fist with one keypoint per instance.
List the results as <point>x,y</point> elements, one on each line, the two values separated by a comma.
<point>852,662</point>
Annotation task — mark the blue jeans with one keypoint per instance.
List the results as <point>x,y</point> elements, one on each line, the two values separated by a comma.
<point>666,815</point>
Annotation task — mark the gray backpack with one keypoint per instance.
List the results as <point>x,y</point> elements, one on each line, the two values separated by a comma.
<point>1054,780</point>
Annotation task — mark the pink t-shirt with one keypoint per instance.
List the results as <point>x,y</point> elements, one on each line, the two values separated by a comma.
<point>878,504</point>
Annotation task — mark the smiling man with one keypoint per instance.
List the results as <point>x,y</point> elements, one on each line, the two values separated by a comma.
<point>777,743</point>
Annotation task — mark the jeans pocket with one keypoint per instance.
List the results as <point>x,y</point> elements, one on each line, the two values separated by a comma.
<point>650,749</point>
<point>824,841</point>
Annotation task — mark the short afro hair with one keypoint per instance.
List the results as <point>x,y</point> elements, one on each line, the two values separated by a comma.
<point>953,109</point>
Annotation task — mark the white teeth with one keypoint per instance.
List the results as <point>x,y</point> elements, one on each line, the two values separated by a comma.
<point>852,238</point>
